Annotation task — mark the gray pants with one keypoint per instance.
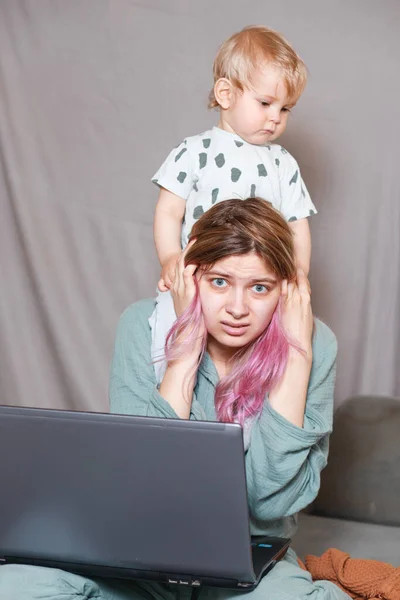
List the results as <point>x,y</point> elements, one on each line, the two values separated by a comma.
<point>286,581</point>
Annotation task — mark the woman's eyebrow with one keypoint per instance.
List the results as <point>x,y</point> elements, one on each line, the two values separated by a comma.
<point>266,279</point>
<point>219,274</point>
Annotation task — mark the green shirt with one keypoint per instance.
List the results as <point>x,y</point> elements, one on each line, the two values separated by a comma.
<point>283,461</point>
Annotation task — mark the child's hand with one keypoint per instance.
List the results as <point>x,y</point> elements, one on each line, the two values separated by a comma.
<point>168,273</point>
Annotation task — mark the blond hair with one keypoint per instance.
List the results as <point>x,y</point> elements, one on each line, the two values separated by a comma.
<point>252,48</point>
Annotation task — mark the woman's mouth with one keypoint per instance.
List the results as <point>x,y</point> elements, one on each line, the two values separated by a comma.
<point>235,329</point>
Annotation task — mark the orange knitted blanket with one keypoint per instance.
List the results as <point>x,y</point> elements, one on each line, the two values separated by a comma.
<point>360,578</point>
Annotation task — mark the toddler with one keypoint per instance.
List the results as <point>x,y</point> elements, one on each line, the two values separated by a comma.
<point>258,78</point>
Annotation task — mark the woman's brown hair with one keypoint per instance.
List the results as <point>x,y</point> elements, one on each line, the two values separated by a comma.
<point>235,227</point>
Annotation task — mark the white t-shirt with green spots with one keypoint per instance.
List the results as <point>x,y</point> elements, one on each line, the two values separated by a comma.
<point>218,165</point>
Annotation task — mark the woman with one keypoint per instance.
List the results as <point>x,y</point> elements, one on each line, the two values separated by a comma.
<point>244,348</point>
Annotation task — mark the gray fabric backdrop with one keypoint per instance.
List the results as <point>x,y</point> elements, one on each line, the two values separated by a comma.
<point>93,94</point>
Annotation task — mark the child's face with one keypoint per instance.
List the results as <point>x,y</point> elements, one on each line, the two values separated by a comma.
<point>259,114</point>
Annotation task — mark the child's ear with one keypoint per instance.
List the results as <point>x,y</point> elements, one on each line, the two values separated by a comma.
<point>224,93</point>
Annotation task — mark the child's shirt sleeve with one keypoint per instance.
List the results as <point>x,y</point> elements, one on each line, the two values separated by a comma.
<point>296,202</point>
<point>176,173</point>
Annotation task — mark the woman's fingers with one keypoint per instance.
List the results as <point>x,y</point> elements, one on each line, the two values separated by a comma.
<point>296,313</point>
<point>291,286</point>
<point>189,270</point>
<point>284,287</point>
<point>188,280</point>
<point>184,287</point>
<point>185,251</point>
<point>180,265</point>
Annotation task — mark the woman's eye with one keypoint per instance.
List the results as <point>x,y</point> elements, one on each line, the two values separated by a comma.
<point>259,288</point>
<point>219,282</point>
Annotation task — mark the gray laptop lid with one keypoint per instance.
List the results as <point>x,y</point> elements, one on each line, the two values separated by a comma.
<point>136,493</point>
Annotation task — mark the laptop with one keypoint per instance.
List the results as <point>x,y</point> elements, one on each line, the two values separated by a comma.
<point>132,497</point>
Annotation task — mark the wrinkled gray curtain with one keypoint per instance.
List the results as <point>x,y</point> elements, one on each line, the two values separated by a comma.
<point>93,94</point>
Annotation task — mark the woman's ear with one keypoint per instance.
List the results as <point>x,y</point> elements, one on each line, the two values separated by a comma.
<point>224,93</point>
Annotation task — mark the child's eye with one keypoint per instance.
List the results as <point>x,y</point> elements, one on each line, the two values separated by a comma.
<point>219,282</point>
<point>259,288</point>
<point>285,109</point>
<point>264,103</point>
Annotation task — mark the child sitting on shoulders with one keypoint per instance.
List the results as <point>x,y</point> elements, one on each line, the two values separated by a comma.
<point>258,79</point>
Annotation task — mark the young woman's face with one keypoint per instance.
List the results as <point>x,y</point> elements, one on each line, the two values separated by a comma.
<point>238,296</point>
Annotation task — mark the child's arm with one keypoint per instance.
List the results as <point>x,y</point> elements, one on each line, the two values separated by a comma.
<point>170,210</point>
<point>296,205</point>
<point>302,244</point>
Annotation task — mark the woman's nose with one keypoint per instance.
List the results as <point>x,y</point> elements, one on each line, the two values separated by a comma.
<point>237,305</point>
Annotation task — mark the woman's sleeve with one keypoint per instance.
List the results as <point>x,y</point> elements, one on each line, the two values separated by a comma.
<point>132,387</point>
<point>284,462</point>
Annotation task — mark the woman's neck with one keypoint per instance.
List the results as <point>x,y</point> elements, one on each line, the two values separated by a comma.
<point>221,356</point>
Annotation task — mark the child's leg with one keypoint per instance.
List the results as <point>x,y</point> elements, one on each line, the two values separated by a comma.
<point>161,321</point>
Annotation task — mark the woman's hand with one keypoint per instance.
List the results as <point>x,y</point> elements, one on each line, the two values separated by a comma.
<point>179,378</point>
<point>183,288</point>
<point>289,395</point>
<point>297,317</point>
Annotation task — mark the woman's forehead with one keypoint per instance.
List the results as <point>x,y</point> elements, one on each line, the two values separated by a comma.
<point>243,266</point>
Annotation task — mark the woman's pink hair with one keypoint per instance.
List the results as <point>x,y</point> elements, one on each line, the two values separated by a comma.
<point>238,227</point>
